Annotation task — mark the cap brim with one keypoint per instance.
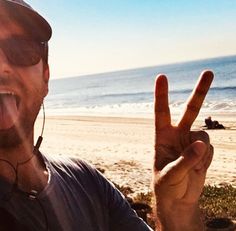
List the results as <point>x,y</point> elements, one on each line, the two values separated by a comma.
<point>34,22</point>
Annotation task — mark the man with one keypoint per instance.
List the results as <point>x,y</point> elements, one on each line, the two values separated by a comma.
<point>209,124</point>
<point>45,194</point>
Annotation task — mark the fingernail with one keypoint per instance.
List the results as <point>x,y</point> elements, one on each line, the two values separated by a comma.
<point>199,147</point>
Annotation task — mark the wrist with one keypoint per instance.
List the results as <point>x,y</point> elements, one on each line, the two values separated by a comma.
<point>178,217</point>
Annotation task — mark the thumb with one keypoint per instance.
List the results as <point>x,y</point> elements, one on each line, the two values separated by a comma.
<point>178,169</point>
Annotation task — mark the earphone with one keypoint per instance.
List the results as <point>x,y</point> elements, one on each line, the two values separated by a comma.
<point>40,138</point>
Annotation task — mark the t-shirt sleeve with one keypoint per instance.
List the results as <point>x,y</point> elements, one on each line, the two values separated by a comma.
<point>121,215</point>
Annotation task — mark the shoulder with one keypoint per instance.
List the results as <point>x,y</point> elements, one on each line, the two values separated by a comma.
<point>69,164</point>
<point>99,190</point>
<point>76,170</point>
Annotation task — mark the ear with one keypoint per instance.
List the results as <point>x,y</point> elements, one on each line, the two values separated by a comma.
<point>46,76</point>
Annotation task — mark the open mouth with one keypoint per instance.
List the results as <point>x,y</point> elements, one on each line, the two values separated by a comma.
<point>9,108</point>
<point>7,96</point>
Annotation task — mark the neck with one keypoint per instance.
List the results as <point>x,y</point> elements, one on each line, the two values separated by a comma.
<point>22,166</point>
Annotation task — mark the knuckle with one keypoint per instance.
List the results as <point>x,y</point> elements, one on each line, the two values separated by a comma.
<point>203,136</point>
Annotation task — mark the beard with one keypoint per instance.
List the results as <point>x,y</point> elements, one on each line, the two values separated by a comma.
<point>21,131</point>
<point>12,137</point>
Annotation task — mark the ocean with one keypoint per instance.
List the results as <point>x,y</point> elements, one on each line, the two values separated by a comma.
<point>130,92</point>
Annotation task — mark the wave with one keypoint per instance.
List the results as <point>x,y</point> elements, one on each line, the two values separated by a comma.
<point>125,95</point>
<point>225,88</point>
<point>218,97</point>
<point>229,88</point>
<point>222,92</point>
<point>139,109</point>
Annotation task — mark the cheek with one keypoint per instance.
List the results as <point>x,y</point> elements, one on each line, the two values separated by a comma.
<point>34,81</point>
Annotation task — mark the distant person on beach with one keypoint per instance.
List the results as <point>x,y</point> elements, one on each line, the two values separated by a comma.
<point>40,192</point>
<point>213,124</point>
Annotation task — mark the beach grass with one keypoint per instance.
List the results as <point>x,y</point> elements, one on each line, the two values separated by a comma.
<point>218,201</point>
<point>215,202</point>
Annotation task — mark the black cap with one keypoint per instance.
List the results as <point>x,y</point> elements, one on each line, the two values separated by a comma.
<point>24,14</point>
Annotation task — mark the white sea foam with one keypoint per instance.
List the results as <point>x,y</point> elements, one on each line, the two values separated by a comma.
<point>140,109</point>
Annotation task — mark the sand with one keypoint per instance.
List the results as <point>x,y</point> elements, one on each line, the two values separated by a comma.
<point>123,147</point>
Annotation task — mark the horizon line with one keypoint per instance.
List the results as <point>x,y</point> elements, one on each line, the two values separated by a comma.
<point>141,67</point>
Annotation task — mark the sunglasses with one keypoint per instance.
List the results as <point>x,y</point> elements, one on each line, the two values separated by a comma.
<point>23,51</point>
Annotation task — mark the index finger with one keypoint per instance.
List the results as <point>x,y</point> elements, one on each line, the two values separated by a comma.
<point>196,99</point>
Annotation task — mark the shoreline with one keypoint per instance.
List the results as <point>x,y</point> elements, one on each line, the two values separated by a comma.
<point>123,147</point>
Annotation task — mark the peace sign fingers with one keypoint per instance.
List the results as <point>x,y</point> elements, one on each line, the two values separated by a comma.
<point>161,105</point>
<point>195,100</point>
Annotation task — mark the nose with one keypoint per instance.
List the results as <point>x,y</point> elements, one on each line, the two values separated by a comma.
<point>5,66</point>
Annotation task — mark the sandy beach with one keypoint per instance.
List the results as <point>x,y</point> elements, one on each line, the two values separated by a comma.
<point>123,147</point>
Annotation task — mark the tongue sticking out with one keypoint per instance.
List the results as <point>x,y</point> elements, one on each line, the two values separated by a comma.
<point>8,111</point>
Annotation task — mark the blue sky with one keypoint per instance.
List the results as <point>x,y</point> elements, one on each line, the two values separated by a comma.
<point>93,36</point>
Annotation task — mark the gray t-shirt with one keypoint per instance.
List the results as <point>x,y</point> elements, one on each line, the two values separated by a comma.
<point>77,197</point>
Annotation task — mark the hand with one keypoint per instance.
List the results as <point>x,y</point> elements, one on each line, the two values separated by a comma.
<point>181,160</point>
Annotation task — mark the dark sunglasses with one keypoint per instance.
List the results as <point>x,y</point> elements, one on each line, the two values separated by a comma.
<point>22,51</point>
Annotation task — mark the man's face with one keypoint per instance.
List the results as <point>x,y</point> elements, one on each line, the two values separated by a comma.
<point>22,90</point>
